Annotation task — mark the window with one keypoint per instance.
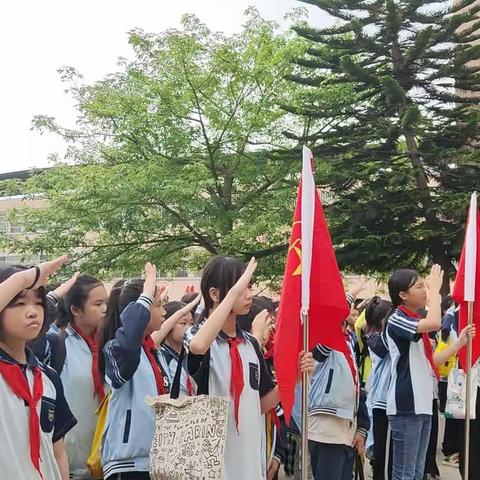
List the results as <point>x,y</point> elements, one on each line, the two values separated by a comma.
<point>3,223</point>
<point>181,273</point>
<point>14,229</point>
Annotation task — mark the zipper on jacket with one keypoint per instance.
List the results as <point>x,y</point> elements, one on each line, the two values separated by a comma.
<point>128,421</point>
<point>329,382</point>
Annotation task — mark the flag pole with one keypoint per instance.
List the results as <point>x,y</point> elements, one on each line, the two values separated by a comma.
<point>305,388</point>
<point>468,395</point>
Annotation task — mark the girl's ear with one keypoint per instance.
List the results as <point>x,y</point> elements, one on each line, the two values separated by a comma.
<point>403,296</point>
<point>214,295</point>
<point>74,311</point>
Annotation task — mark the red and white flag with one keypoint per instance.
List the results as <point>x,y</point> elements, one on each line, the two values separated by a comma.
<point>312,283</point>
<point>467,282</point>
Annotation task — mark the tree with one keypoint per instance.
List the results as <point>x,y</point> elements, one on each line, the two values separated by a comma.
<point>404,154</point>
<point>176,157</point>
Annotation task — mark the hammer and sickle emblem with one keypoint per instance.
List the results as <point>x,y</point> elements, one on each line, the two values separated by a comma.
<point>296,246</point>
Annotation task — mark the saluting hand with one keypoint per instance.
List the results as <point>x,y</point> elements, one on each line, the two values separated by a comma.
<point>150,285</point>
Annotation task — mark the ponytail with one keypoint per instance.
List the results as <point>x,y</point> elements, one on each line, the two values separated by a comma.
<point>123,292</point>
<point>376,312</point>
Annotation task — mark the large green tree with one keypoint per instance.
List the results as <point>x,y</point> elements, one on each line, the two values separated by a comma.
<point>404,152</point>
<point>175,157</point>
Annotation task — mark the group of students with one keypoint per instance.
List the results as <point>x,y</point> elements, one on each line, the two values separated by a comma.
<point>395,393</point>
<point>62,352</point>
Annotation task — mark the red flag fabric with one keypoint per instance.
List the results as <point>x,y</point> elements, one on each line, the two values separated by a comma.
<point>469,276</point>
<point>328,307</point>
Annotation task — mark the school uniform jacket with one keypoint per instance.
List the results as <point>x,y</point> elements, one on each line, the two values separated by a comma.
<point>55,417</point>
<point>212,373</point>
<point>171,357</point>
<point>333,390</point>
<point>413,383</point>
<point>131,422</point>
<point>381,363</point>
<point>77,379</point>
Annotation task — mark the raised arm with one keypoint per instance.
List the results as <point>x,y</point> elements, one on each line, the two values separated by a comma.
<point>33,277</point>
<point>160,335</point>
<point>433,320</point>
<point>207,333</point>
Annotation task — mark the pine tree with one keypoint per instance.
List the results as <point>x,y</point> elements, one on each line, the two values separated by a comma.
<point>404,155</point>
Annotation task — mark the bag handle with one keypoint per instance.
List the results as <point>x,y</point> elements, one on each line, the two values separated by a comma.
<point>175,390</point>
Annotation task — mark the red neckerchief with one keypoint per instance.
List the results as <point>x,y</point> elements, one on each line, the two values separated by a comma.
<point>189,386</point>
<point>92,343</point>
<point>149,349</point>
<point>236,379</point>
<point>274,417</point>
<point>16,380</point>
<point>269,348</point>
<point>352,363</point>
<point>426,340</point>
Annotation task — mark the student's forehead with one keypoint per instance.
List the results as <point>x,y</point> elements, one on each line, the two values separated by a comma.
<point>98,292</point>
<point>27,294</point>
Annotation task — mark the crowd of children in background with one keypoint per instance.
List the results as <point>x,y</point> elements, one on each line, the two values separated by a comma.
<point>67,349</point>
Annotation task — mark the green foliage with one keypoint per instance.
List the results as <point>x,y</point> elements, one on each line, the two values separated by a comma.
<point>178,156</point>
<point>403,151</point>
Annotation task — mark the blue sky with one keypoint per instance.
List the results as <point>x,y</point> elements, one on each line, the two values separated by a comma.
<point>38,37</point>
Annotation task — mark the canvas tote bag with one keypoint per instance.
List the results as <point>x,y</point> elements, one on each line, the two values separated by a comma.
<point>190,434</point>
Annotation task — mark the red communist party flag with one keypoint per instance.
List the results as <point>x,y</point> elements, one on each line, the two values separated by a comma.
<point>312,283</point>
<point>467,283</point>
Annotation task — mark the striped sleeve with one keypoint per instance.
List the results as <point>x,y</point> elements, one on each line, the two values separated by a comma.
<point>403,327</point>
<point>321,353</point>
<point>350,299</point>
<point>377,343</point>
<point>122,354</point>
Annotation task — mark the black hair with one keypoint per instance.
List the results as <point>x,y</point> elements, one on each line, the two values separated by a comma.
<point>245,321</point>
<point>267,303</point>
<point>76,297</point>
<point>447,302</point>
<point>376,312</point>
<point>123,292</point>
<point>401,281</point>
<point>172,307</point>
<point>221,273</point>
<point>6,272</point>
<point>189,297</point>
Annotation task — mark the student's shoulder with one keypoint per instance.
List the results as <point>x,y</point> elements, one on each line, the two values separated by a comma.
<point>254,342</point>
<point>51,376</point>
<point>401,322</point>
<point>399,316</point>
